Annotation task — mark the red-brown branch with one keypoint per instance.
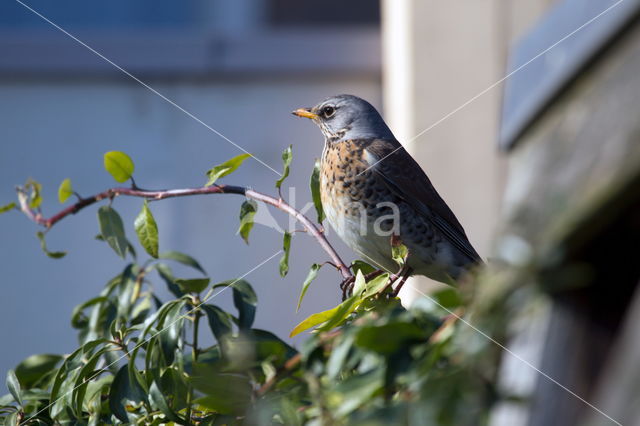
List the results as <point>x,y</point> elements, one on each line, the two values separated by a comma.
<point>278,203</point>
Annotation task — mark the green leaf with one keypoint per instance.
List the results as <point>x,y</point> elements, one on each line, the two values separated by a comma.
<point>119,165</point>
<point>339,355</point>
<point>284,261</point>
<point>86,373</point>
<point>13,419</point>
<point>193,285</point>
<point>43,245</point>
<point>225,168</point>
<point>12,205</point>
<point>14,386</point>
<point>124,393</point>
<point>313,320</point>
<point>399,252</point>
<point>359,284</point>
<point>78,317</point>
<point>65,190</point>
<point>286,161</point>
<point>247,212</point>
<point>167,276</point>
<point>128,290</point>
<point>244,299</point>
<point>388,338</point>
<point>141,310</point>
<point>269,346</point>
<point>62,388</point>
<point>34,367</point>
<point>185,259</point>
<point>329,318</point>
<point>35,196</point>
<point>360,265</point>
<point>130,247</point>
<point>97,389</point>
<point>224,393</point>
<point>357,390</point>
<point>315,191</point>
<point>147,230</point>
<point>448,298</point>
<point>5,400</point>
<point>157,398</point>
<point>171,326</point>
<point>173,384</point>
<point>288,411</point>
<point>344,310</point>
<point>376,285</point>
<point>313,273</point>
<point>219,320</point>
<point>238,352</point>
<point>112,230</point>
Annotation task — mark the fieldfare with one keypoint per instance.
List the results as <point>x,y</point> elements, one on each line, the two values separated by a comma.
<point>374,194</point>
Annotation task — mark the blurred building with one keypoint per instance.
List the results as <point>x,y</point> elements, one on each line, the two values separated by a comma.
<point>569,221</point>
<point>444,68</point>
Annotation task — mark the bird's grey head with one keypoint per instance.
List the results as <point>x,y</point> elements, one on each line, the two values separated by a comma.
<point>345,117</point>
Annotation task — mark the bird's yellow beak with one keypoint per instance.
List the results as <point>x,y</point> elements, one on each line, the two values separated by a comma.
<point>305,112</point>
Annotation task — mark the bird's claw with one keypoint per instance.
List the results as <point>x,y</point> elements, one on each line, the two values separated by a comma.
<point>347,287</point>
<point>348,284</point>
<point>403,275</point>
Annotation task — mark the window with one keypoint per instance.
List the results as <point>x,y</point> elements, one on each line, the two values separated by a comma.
<point>344,13</point>
<point>201,37</point>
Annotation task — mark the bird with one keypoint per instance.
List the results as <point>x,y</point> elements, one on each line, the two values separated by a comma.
<point>375,195</point>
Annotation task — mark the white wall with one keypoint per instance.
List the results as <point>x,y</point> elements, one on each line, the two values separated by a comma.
<point>442,67</point>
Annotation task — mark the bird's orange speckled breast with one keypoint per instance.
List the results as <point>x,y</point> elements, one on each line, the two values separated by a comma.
<point>345,193</point>
<point>341,164</point>
<point>350,197</point>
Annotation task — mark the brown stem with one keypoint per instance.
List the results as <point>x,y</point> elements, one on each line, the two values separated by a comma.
<point>448,321</point>
<point>292,363</point>
<point>347,285</point>
<point>280,204</point>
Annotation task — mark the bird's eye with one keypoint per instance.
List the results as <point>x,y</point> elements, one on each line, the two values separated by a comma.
<point>328,111</point>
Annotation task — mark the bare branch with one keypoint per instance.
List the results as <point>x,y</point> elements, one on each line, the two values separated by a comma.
<point>111,193</point>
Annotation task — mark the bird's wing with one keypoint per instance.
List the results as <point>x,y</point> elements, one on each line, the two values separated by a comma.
<point>406,179</point>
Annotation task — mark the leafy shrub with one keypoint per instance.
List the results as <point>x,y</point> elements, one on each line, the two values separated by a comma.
<point>369,360</point>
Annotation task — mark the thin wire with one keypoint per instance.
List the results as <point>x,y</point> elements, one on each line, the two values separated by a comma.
<point>145,85</point>
<point>507,350</point>
<point>151,337</point>
<point>516,356</point>
<point>495,84</point>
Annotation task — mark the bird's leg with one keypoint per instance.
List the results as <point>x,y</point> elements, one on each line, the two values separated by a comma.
<point>348,284</point>
<point>372,275</point>
<point>400,254</point>
<point>392,279</point>
<point>403,274</point>
<point>407,273</point>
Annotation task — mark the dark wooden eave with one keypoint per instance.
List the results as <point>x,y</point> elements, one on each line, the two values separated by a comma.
<point>571,35</point>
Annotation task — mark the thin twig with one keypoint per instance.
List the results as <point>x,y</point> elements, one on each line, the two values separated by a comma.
<point>313,229</point>
<point>292,363</point>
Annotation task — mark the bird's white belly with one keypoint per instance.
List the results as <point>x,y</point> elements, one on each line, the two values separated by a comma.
<point>375,247</point>
<point>359,234</point>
